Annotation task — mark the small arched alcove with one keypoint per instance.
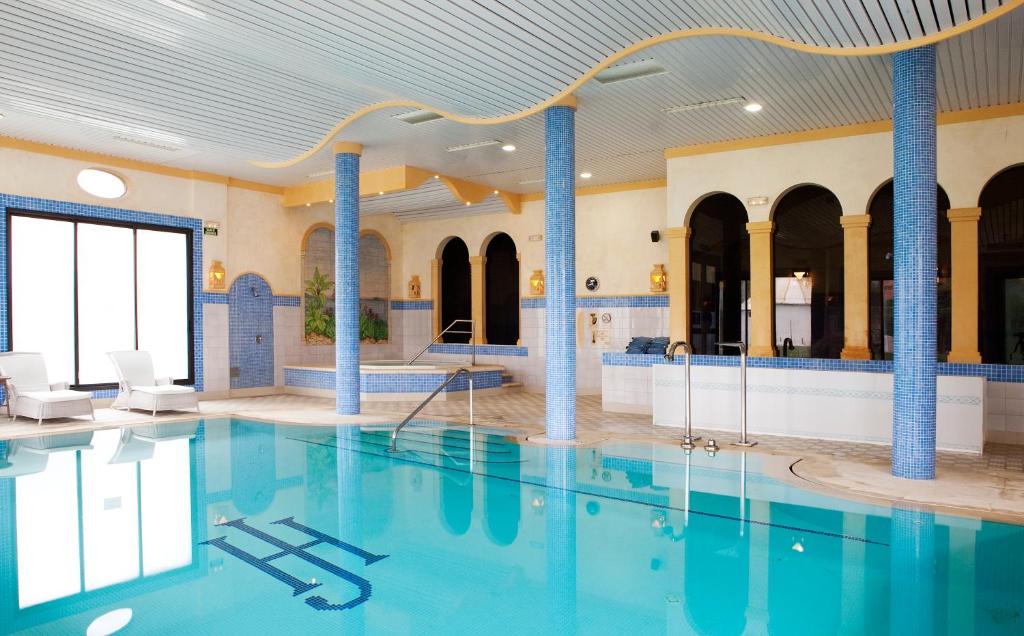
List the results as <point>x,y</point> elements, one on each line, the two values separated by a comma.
<point>374,287</point>
<point>880,267</point>
<point>1001,268</point>
<point>808,253</point>
<point>501,290</point>
<point>719,273</point>
<point>456,292</point>
<point>251,332</point>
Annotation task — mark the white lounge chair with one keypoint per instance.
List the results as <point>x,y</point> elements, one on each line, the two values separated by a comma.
<point>141,389</point>
<point>32,394</point>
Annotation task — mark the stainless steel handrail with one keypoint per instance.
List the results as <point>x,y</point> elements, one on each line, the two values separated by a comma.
<point>449,329</point>
<point>415,412</point>
<point>743,389</point>
<point>670,355</point>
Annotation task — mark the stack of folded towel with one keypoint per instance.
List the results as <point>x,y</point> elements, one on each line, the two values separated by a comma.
<point>642,344</point>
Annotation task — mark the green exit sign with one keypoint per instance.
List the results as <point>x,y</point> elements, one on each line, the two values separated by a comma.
<point>211,229</point>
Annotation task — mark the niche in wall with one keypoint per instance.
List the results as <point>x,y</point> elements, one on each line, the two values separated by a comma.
<point>456,293</point>
<point>374,288</point>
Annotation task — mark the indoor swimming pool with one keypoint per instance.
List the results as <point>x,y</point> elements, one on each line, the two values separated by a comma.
<point>222,526</point>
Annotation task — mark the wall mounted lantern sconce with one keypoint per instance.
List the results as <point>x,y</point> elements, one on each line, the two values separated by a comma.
<point>537,282</point>
<point>414,286</point>
<point>799,275</point>
<point>659,278</point>
<point>216,276</point>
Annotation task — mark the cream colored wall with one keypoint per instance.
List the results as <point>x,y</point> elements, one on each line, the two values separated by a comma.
<point>612,240</point>
<point>969,154</point>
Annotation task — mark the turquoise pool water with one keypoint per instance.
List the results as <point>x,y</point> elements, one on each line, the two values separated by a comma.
<point>238,527</point>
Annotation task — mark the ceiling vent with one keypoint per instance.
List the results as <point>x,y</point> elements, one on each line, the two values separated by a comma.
<point>474,145</point>
<point>531,181</point>
<point>632,70</point>
<point>147,143</point>
<point>685,108</point>
<point>417,116</point>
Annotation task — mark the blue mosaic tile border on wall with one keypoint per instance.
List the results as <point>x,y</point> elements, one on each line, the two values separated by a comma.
<point>596,302</point>
<point>412,305</point>
<point>481,350</point>
<point>286,301</point>
<point>392,382</point>
<point>100,213</point>
<point>992,372</point>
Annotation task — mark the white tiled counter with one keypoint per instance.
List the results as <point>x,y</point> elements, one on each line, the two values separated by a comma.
<point>824,399</point>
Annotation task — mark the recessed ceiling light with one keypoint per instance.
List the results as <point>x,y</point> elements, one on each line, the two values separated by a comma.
<point>381,193</point>
<point>474,145</point>
<point>468,203</point>
<point>632,70</point>
<point>585,175</point>
<point>699,105</point>
<point>508,148</point>
<point>102,184</point>
<point>1,115</point>
<point>752,107</point>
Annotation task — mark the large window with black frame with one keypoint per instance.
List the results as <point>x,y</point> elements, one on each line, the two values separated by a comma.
<point>80,288</point>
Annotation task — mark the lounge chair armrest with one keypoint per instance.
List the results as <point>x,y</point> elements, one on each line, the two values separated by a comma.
<point>162,381</point>
<point>60,386</point>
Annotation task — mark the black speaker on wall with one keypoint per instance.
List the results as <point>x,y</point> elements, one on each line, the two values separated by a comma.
<point>655,236</point>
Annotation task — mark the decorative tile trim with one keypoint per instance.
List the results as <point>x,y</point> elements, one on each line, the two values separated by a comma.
<point>412,305</point>
<point>596,302</point>
<point>992,372</point>
<point>287,301</point>
<point>481,350</point>
<point>393,382</point>
<point>100,213</point>
<point>213,298</point>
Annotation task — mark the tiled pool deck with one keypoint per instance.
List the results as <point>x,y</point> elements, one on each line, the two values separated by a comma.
<point>991,484</point>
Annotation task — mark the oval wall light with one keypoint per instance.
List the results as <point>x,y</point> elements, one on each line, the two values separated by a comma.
<point>102,184</point>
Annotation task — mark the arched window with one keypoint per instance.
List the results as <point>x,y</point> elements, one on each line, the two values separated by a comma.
<point>880,267</point>
<point>719,273</point>
<point>808,255</point>
<point>374,288</point>
<point>1001,268</point>
<point>501,290</point>
<point>456,293</point>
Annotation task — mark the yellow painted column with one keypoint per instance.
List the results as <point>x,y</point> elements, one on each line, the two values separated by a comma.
<point>963,224</point>
<point>678,283</point>
<point>762,289</point>
<point>855,286</point>
<point>477,284</point>
<point>435,290</point>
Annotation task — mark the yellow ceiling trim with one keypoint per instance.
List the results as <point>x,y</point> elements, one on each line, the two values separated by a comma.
<point>605,189</point>
<point>132,164</point>
<point>397,179</point>
<point>568,91</point>
<point>942,119</point>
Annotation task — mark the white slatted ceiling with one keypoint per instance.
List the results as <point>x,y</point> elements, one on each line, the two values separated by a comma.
<point>266,79</point>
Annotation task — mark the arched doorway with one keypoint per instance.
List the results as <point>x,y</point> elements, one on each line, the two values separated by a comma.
<point>808,254</point>
<point>501,291</point>
<point>719,273</point>
<point>880,270</point>
<point>1001,268</point>
<point>456,291</point>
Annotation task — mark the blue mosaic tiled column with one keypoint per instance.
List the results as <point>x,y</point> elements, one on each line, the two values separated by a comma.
<point>560,274</point>
<point>346,279</point>
<point>914,220</point>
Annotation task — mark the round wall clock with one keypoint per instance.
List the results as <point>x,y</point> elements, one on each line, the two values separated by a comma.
<point>592,283</point>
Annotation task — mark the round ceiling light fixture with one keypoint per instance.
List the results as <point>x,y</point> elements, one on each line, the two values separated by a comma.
<point>753,107</point>
<point>509,148</point>
<point>585,175</point>
<point>102,184</point>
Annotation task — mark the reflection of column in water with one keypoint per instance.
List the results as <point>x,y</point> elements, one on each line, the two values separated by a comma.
<point>758,560</point>
<point>854,560</point>
<point>349,470</point>
<point>912,572</point>
<point>560,539</point>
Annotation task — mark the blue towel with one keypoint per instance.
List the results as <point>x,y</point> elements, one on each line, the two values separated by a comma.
<point>638,345</point>
<point>657,346</point>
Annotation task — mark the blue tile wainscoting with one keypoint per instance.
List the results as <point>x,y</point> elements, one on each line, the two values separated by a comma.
<point>393,382</point>
<point>992,372</point>
<point>221,298</point>
<point>412,305</point>
<point>100,213</point>
<point>481,350</point>
<point>637,301</point>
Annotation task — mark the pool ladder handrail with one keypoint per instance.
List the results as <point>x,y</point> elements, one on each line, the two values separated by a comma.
<point>450,329</point>
<point>670,355</point>
<point>742,347</point>
<point>394,434</point>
